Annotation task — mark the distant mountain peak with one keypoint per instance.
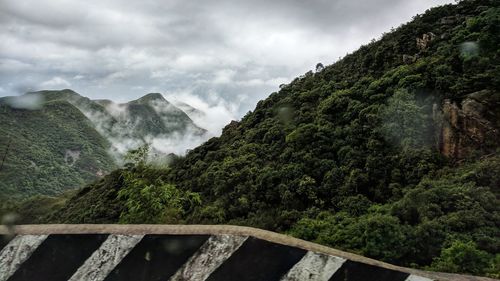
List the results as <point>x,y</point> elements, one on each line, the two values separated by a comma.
<point>68,91</point>
<point>56,94</point>
<point>152,97</point>
<point>63,91</point>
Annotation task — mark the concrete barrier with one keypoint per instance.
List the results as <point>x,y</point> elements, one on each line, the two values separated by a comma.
<point>184,252</point>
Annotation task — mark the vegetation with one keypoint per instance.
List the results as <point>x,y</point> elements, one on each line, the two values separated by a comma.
<point>137,194</point>
<point>447,222</point>
<point>48,150</point>
<point>346,156</point>
<point>59,140</point>
<point>147,198</point>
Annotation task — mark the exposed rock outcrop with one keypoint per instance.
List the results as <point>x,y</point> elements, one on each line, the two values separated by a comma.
<point>473,125</point>
<point>423,43</point>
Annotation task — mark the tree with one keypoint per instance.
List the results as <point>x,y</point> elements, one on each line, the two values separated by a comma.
<point>154,203</point>
<point>137,157</point>
<point>462,257</point>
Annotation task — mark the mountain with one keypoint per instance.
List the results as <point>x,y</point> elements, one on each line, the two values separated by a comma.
<point>59,140</point>
<point>150,119</point>
<point>126,126</point>
<point>153,114</point>
<point>392,152</point>
<point>48,146</point>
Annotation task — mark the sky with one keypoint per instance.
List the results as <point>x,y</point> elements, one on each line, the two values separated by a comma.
<point>220,55</point>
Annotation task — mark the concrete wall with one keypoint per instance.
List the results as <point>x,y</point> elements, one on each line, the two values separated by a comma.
<point>168,252</point>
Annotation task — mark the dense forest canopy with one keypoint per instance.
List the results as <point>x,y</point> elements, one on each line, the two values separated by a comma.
<point>391,152</point>
<point>49,149</point>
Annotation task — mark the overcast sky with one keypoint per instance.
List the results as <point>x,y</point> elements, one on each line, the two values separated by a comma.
<point>227,54</point>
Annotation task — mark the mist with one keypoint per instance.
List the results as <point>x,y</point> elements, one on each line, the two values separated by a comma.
<point>215,112</point>
<point>29,102</point>
<point>124,129</point>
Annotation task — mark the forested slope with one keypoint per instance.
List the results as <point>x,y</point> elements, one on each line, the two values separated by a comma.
<point>48,150</point>
<point>57,140</point>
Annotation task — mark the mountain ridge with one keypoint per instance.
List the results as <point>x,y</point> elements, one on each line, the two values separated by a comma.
<point>97,125</point>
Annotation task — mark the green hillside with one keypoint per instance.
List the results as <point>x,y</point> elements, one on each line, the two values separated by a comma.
<point>49,150</point>
<point>54,141</point>
<point>129,125</point>
<point>150,115</point>
<point>154,115</point>
<point>391,152</point>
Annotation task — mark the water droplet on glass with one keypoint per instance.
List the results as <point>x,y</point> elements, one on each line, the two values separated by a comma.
<point>469,49</point>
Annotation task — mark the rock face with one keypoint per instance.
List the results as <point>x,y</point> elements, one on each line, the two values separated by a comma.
<point>423,43</point>
<point>472,125</point>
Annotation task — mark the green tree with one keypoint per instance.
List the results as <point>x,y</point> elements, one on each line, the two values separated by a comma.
<point>462,257</point>
<point>156,202</point>
<point>137,157</point>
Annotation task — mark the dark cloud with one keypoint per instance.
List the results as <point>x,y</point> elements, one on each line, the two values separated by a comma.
<point>225,52</point>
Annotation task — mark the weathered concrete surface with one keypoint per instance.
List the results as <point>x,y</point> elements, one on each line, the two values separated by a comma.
<point>111,252</point>
<point>18,251</point>
<point>219,252</point>
<point>209,257</point>
<point>314,267</point>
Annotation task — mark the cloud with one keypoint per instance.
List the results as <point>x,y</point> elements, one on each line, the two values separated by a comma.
<point>55,82</point>
<point>216,111</point>
<point>237,51</point>
<point>123,127</point>
<point>224,76</point>
<point>8,65</point>
<point>30,102</point>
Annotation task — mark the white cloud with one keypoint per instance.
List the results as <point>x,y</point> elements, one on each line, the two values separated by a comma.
<point>217,111</point>
<point>55,82</point>
<point>238,51</point>
<point>224,76</point>
<point>13,66</point>
<point>30,102</point>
